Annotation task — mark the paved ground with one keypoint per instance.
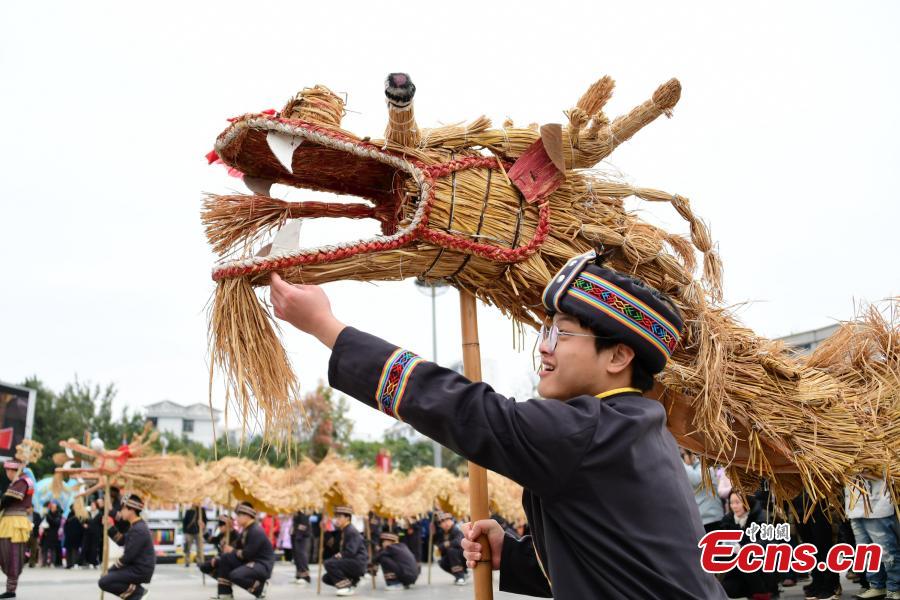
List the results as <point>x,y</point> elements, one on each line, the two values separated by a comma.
<point>174,582</point>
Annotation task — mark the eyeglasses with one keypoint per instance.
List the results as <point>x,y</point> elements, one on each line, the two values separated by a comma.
<point>550,336</point>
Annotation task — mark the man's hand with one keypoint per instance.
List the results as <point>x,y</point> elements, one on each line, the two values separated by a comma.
<point>471,547</point>
<point>227,548</point>
<point>307,308</point>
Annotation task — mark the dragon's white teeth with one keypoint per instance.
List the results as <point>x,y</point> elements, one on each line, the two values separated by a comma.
<point>282,146</point>
<point>258,185</point>
<point>287,239</point>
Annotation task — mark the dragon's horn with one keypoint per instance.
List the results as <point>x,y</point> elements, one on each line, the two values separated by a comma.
<point>402,129</point>
<point>601,137</point>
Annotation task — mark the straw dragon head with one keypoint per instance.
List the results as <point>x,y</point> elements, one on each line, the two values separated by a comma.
<point>448,200</point>
<point>496,211</point>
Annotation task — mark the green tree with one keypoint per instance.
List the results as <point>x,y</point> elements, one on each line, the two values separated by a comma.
<point>324,424</point>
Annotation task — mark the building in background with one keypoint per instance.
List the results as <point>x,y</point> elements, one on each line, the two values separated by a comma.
<point>195,422</point>
<point>807,341</point>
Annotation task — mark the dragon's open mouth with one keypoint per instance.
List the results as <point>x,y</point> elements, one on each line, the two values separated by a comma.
<point>271,150</point>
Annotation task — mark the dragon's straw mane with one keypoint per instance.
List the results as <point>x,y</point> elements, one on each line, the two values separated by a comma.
<point>449,211</point>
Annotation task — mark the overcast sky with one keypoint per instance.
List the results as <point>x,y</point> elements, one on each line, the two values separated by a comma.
<point>785,140</point>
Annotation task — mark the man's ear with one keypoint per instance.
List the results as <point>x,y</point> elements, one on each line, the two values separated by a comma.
<point>621,358</point>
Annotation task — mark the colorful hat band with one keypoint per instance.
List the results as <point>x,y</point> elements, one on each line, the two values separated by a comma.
<point>625,309</point>
<point>135,504</point>
<point>390,537</point>
<point>243,509</point>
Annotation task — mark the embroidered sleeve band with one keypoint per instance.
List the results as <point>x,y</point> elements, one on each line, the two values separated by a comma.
<point>394,378</point>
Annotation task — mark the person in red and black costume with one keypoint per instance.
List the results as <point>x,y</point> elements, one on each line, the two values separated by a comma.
<point>138,561</point>
<point>15,524</point>
<point>594,457</point>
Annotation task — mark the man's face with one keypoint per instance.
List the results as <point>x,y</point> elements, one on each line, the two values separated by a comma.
<point>126,513</point>
<point>575,367</point>
<point>341,520</point>
<point>447,524</point>
<point>244,520</point>
<point>10,474</point>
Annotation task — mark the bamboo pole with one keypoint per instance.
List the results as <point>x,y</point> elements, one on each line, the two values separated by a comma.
<point>321,551</point>
<point>369,538</point>
<point>430,544</point>
<point>106,500</point>
<point>478,492</point>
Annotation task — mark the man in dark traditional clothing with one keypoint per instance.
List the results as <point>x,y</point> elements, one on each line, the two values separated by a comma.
<point>300,543</point>
<point>138,560</point>
<point>73,532</point>
<point>398,564</point>
<point>346,568</point>
<point>15,524</point>
<point>225,536</point>
<point>448,538</point>
<point>594,459</point>
<point>249,563</point>
<point>411,535</point>
<point>115,502</point>
<point>93,536</point>
<point>193,526</point>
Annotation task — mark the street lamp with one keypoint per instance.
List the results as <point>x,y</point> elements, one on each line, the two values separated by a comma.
<point>433,289</point>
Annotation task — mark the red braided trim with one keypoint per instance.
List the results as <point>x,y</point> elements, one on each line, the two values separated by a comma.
<point>494,253</point>
<point>319,257</point>
<point>433,172</point>
<point>488,251</point>
<point>297,210</point>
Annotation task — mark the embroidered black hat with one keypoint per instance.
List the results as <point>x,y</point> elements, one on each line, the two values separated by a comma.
<point>622,307</point>
<point>134,501</point>
<point>245,508</point>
